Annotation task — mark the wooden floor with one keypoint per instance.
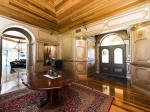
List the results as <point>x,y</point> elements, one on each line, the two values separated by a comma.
<point>13,81</point>
<point>126,98</point>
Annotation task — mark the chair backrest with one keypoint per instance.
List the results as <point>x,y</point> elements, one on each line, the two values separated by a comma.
<point>58,64</point>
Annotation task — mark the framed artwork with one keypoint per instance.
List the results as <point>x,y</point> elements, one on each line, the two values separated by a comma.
<point>50,54</point>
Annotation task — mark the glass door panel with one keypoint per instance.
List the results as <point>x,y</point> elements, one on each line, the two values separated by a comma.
<point>105,56</point>
<point>118,56</point>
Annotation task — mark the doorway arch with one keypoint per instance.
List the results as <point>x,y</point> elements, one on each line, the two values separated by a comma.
<point>30,39</point>
<point>112,56</point>
<point>111,39</point>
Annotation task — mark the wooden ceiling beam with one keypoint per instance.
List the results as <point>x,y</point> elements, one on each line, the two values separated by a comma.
<point>47,3</point>
<point>83,15</point>
<point>23,5</point>
<point>5,38</point>
<point>9,39</point>
<point>13,12</point>
<point>56,2</point>
<point>14,37</point>
<point>51,1</point>
<point>39,6</point>
<point>60,4</point>
<point>71,6</point>
<point>93,7</point>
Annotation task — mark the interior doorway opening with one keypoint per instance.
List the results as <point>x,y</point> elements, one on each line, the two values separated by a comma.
<point>14,54</point>
<point>113,56</point>
<point>16,57</point>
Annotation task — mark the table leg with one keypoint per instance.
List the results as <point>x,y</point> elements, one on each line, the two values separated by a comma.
<point>53,98</point>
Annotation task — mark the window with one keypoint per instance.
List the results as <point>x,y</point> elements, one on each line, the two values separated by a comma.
<point>112,40</point>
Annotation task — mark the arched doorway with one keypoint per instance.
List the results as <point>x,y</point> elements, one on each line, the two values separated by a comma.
<point>113,55</point>
<point>25,37</point>
<point>14,55</point>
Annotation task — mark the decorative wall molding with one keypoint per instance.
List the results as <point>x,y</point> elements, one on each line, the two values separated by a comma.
<point>90,50</point>
<point>141,52</point>
<point>67,46</point>
<point>140,44</point>
<point>45,36</point>
<point>91,67</point>
<point>68,66</point>
<point>141,79</point>
<point>119,21</point>
<point>80,50</point>
<point>80,67</point>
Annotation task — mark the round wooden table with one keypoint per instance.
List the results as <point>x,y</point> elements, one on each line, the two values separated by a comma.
<point>37,81</point>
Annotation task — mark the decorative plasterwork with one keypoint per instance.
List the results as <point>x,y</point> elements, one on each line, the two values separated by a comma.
<point>141,52</point>
<point>48,37</point>
<point>141,77</point>
<point>120,21</point>
<point>80,67</point>
<point>129,17</point>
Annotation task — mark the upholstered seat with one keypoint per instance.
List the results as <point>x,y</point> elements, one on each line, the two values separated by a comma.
<point>16,64</point>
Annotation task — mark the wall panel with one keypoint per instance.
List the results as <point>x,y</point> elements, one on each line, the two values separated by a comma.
<point>140,45</point>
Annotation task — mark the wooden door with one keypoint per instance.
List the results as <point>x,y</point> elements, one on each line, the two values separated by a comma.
<point>112,60</point>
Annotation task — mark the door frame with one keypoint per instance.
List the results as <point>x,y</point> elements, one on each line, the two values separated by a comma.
<point>30,47</point>
<point>111,66</point>
<point>123,35</point>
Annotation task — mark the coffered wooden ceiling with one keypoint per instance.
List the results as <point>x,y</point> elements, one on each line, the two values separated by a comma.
<point>61,15</point>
